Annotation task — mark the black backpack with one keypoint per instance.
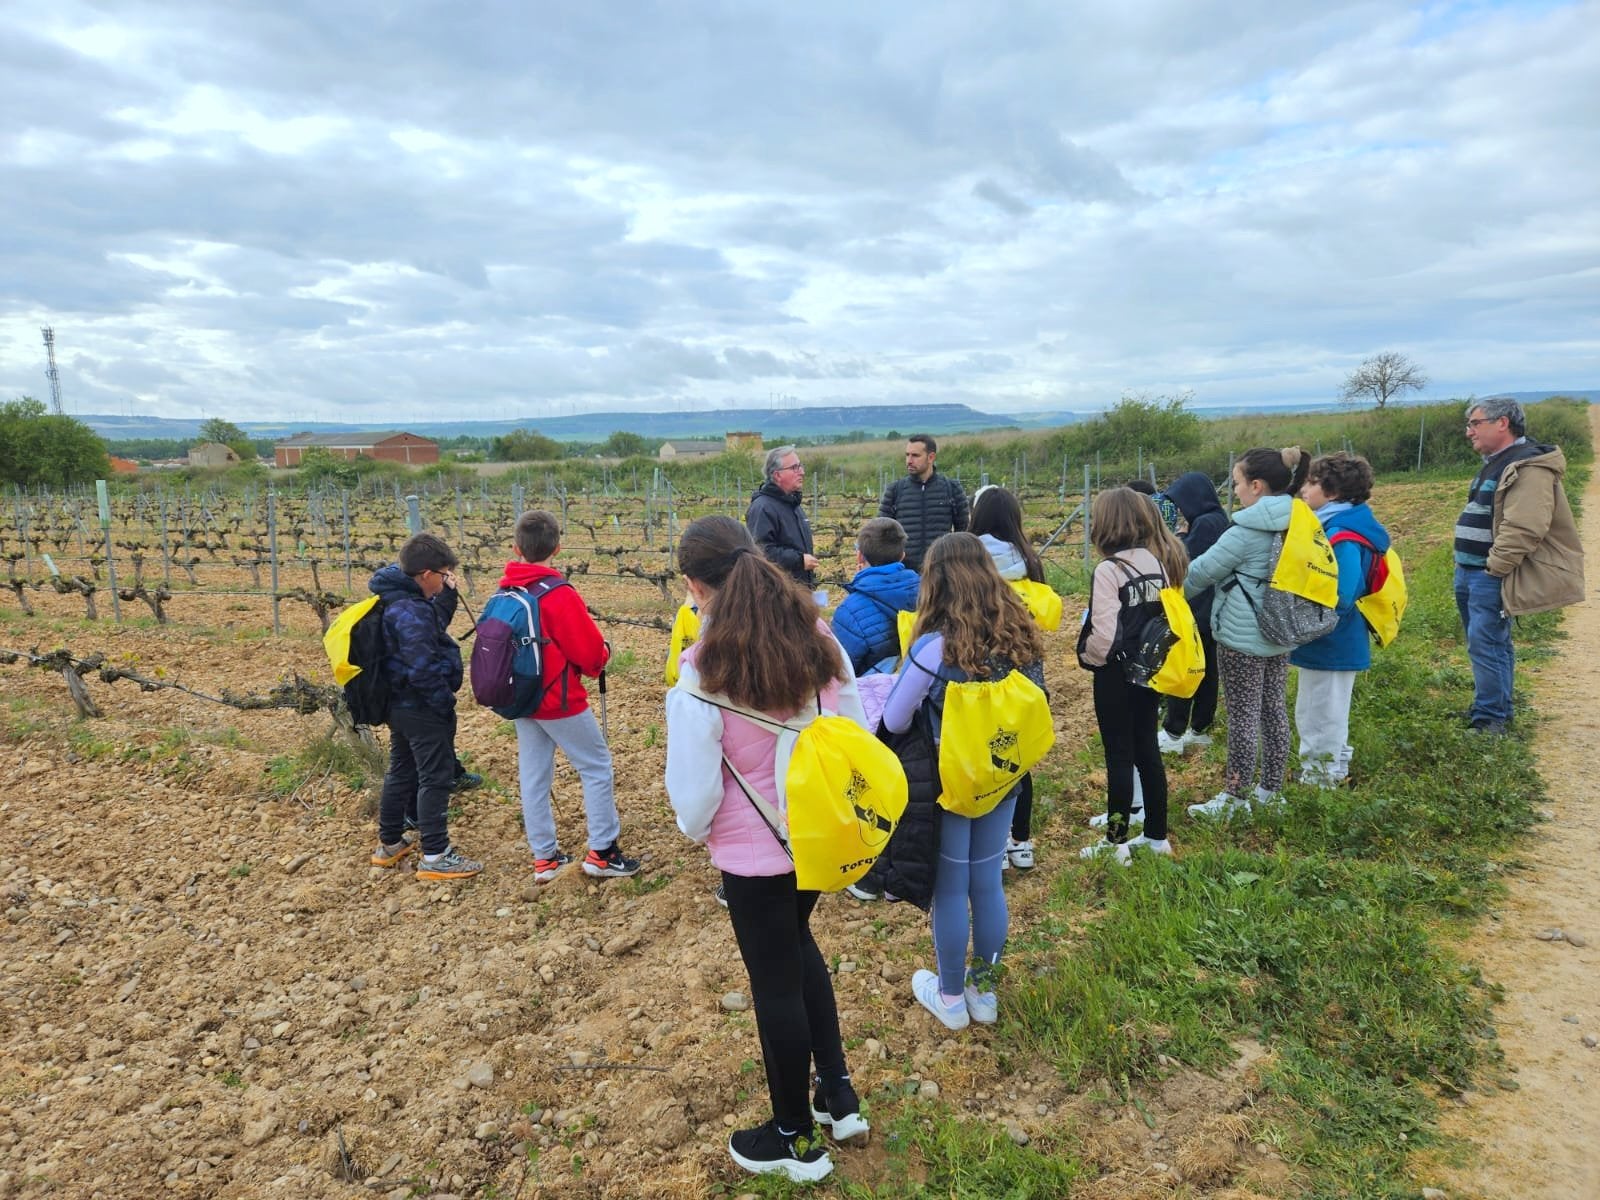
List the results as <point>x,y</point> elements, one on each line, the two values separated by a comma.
<point>366,695</point>
<point>1143,636</point>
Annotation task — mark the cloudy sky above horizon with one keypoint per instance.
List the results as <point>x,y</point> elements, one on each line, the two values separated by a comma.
<point>373,212</point>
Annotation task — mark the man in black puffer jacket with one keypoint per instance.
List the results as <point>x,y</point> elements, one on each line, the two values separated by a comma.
<point>928,505</point>
<point>776,517</point>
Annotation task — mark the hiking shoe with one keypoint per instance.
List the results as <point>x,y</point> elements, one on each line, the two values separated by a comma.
<point>465,782</point>
<point>1020,854</point>
<point>1100,820</point>
<point>1219,805</point>
<point>766,1150</point>
<point>1169,744</point>
<point>838,1110</point>
<point>411,835</point>
<point>722,896</point>
<point>1116,850</point>
<point>861,892</point>
<point>1162,846</point>
<point>452,864</point>
<point>1492,728</point>
<point>546,869</point>
<point>609,863</point>
<point>391,856</point>
<point>925,987</point>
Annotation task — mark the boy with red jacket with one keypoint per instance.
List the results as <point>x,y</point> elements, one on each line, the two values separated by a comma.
<point>573,648</point>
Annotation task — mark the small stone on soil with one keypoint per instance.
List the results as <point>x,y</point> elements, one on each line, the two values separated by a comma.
<point>735,1002</point>
<point>480,1075</point>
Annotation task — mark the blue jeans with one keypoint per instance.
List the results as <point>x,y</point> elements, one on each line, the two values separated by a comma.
<point>1488,643</point>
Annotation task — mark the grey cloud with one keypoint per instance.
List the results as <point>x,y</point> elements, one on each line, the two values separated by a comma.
<point>989,190</point>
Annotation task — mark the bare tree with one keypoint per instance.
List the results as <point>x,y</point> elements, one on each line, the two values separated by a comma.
<point>1382,377</point>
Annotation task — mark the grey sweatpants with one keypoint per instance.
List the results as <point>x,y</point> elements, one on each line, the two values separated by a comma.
<point>580,739</point>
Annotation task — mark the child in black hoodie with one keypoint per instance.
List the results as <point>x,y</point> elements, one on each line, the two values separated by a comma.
<point>1186,721</point>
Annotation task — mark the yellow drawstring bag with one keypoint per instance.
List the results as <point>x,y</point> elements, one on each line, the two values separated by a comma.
<point>1384,608</point>
<point>1185,664</point>
<point>993,732</point>
<point>685,630</point>
<point>1383,600</point>
<point>905,622</point>
<point>840,793</point>
<point>1306,566</point>
<point>1042,602</point>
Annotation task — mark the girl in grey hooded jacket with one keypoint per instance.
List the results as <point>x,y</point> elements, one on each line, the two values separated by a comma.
<point>1255,672</point>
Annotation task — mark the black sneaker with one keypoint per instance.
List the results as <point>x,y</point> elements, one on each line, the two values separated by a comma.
<point>609,863</point>
<point>465,782</point>
<point>765,1151</point>
<point>722,896</point>
<point>839,1111</point>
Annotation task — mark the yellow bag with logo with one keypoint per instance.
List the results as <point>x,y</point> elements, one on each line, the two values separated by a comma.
<point>993,732</point>
<point>1184,667</point>
<point>840,793</point>
<point>1306,566</point>
<point>685,631</point>
<point>1384,608</point>
<point>1042,602</point>
<point>1383,600</point>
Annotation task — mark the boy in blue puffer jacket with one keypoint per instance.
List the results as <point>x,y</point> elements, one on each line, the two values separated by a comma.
<point>866,623</point>
<point>423,665</point>
<point>1337,487</point>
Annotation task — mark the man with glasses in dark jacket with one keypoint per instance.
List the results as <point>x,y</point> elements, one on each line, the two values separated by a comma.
<point>776,517</point>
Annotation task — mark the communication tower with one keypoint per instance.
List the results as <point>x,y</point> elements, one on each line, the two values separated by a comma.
<point>55,375</point>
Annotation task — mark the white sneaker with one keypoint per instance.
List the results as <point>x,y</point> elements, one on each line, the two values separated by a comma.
<point>925,987</point>
<point>1020,854</point>
<point>982,1007</point>
<point>1116,850</point>
<point>1266,799</point>
<point>1196,739</point>
<point>1219,805</point>
<point>1155,847</point>
<point>1170,744</point>
<point>861,893</point>
<point>1099,820</point>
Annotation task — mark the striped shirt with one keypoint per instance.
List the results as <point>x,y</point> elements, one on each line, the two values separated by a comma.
<point>1475,526</point>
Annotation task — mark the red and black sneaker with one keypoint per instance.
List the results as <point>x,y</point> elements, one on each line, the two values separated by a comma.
<point>546,869</point>
<point>609,863</point>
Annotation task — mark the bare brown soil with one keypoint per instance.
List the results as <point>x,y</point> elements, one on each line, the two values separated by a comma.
<point>208,991</point>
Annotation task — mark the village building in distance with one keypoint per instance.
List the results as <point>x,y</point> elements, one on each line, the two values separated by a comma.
<point>386,446</point>
<point>681,450</point>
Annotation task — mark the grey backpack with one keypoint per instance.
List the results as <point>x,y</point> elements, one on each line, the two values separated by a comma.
<point>1285,618</point>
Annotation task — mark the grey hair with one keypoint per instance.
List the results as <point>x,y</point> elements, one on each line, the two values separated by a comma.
<point>1502,406</point>
<point>774,457</point>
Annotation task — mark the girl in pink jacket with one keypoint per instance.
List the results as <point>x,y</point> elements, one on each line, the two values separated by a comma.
<point>762,648</point>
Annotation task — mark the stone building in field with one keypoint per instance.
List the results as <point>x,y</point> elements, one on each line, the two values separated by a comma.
<point>213,454</point>
<point>679,451</point>
<point>743,442</point>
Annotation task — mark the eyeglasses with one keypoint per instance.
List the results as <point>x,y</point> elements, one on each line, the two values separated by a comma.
<point>1474,422</point>
<point>793,467</point>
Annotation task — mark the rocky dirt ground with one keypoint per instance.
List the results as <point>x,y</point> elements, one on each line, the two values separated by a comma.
<point>208,992</point>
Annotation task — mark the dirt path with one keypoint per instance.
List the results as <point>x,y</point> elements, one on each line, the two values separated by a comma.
<point>1541,1141</point>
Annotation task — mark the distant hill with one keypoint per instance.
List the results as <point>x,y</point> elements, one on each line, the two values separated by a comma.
<point>873,419</point>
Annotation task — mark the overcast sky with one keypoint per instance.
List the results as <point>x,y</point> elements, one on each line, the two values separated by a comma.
<point>372,212</point>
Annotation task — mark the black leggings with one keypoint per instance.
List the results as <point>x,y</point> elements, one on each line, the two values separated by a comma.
<point>1022,817</point>
<point>1126,714</point>
<point>790,986</point>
